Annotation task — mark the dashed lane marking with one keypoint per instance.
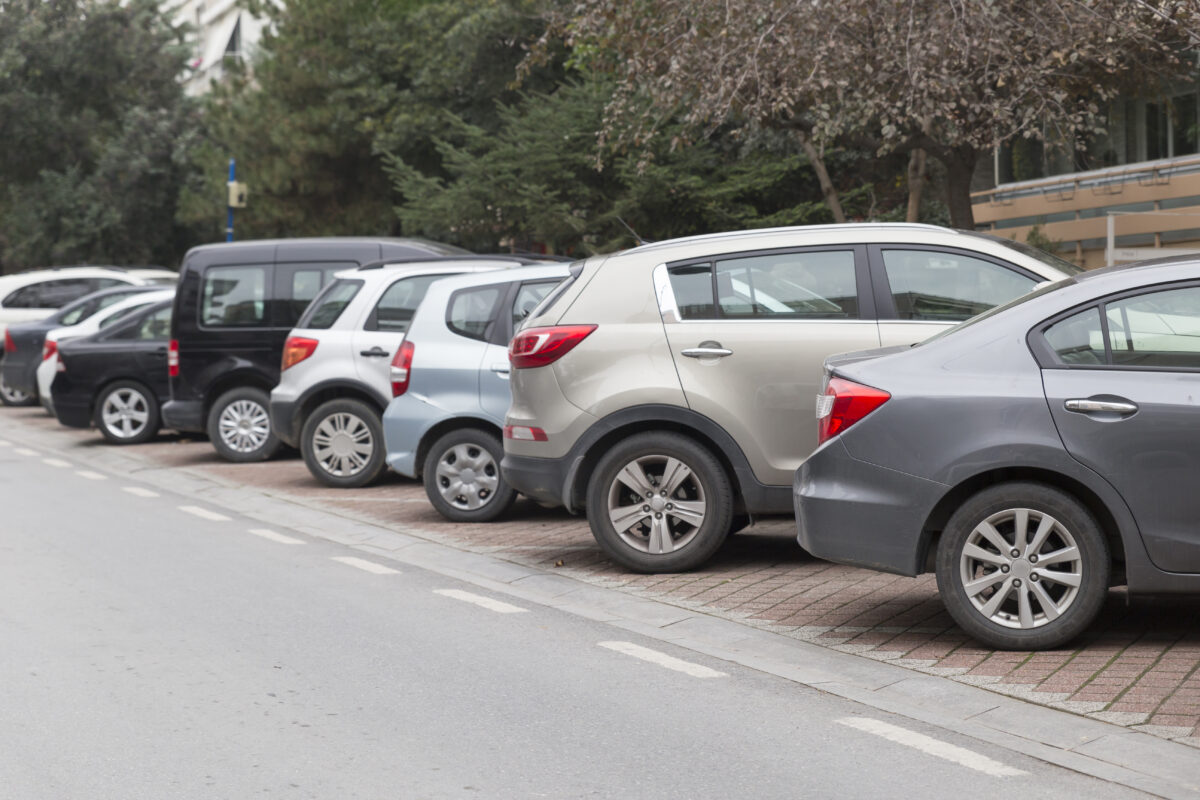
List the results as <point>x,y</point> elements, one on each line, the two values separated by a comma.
<point>55,462</point>
<point>479,600</point>
<point>367,566</point>
<point>24,451</point>
<point>934,747</point>
<point>275,537</point>
<point>204,513</point>
<point>91,476</point>
<point>663,660</point>
<point>138,491</point>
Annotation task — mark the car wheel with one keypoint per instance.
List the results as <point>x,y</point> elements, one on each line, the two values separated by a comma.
<point>342,444</point>
<point>15,397</point>
<point>462,476</point>
<point>1023,566</point>
<point>659,502</point>
<point>240,426</point>
<point>126,413</point>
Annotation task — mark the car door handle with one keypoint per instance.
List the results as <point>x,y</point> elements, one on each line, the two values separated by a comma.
<point>708,350</point>
<point>501,368</point>
<point>374,352</point>
<point>1087,406</point>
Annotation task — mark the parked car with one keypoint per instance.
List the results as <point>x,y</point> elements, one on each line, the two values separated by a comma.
<point>116,379</point>
<point>446,422</point>
<point>235,306</point>
<point>98,321</point>
<point>339,364</point>
<point>1031,457</point>
<point>24,341</point>
<point>36,294</point>
<point>661,388</point>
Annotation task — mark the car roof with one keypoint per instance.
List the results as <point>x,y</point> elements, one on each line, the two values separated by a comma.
<point>434,248</point>
<point>50,273</point>
<point>526,273</point>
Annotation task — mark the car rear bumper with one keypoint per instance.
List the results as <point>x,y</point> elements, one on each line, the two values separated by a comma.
<point>183,415</point>
<point>73,415</point>
<point>283,421</point>
<point>853,512</point>
<point>20,374</point>
<point>541,479</point>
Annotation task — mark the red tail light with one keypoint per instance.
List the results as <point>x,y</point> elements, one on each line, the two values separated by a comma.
<point>537,347</point>
<point>525,433</point>
<point>845,403</point>
<point>173,359</point>
<point>402,368</point>
<point>49,348</point>
<point>296,349</point>
<point>9,345</point>
<point>59,366</point>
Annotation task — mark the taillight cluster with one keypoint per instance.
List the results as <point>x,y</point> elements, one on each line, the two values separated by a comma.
<point>845,403</point>
<point>296,349</point>
<point>537,347</point>
<point>9,345</point>
<point>401,372</point>
<point>173,358</point>
<point>49,348</point>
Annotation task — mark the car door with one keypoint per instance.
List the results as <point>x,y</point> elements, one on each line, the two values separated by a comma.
<point>382,330</point>
<point>749,334</point>
<point>495,390</point>
<point>921,290</point>
<point>1122,380</point>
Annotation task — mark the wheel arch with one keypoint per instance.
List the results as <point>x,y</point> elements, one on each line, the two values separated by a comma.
<point>442,427</point>
<point>325,391</point>
<point>235,380</point>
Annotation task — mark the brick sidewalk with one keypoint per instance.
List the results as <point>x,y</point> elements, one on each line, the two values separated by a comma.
<point>1137,666</point>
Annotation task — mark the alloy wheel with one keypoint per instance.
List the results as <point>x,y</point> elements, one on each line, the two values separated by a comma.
<point>1021,568</point>
<point>467,476</point>
<point>244,426</point>
<point>342,444</point>
<point>12,396</point>
<point>656,504</point>
<point>125,413</point>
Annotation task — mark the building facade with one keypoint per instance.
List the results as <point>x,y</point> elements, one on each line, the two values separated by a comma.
<point>223,34</point>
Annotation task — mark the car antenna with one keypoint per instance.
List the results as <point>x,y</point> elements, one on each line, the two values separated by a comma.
<point>634,233</point>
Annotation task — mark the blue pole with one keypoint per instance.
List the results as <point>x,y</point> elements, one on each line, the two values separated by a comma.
<point>228,208</point>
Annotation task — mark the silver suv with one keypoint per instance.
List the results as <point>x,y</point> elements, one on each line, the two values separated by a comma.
<point>445,423</point>
<point>670,389</point>
<point>341,359</point>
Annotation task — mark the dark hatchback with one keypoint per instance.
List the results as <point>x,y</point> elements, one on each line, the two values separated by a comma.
<point>1032,457</point>
<point>235,306</point>
<point>23,341</point>
<point>116,379</point>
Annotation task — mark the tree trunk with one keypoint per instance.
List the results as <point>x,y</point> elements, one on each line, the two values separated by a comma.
<point>916,184</point>
<point>818,165</point>
<point>960,168</point>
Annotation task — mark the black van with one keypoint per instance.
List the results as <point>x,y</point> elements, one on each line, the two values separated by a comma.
<point>234,307</point>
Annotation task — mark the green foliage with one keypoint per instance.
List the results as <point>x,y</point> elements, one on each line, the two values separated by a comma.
<point>1041,241</point>
<point>96,128</point>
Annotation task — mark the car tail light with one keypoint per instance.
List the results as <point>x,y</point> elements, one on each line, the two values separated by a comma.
<point>525,433</point>
<point>49,348</point>
<point>537,347</point>
<point>173,358</point>
<point>59,365</point>
<point>845,403</point>
<point>402,368</point>
<point>296,349</point>
<point>9,345</point>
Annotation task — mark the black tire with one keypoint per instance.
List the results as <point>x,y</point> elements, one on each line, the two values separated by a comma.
<point>359,423</point>
<point>634,546</point>
<point>251,443</point>
<point>1007,577</point>
<point>138,421</point>
<point>15,398</point>
<point>486,449</point>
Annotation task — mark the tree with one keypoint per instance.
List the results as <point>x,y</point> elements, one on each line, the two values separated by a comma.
<point>96,129</point>
<point>952,77</point>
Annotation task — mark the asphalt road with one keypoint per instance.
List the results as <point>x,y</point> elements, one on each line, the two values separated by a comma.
<point>154,646</point>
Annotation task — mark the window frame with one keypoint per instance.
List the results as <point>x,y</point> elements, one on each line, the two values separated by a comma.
<point>1047,358</point>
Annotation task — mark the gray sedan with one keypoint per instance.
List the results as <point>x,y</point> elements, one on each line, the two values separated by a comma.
<point>1033,456</point>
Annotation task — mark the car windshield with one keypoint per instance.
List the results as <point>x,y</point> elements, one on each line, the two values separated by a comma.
<point>1042,289</point>
<point>1049,259</point>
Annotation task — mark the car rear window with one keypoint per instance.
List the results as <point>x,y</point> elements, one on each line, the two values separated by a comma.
<point>328,306</point>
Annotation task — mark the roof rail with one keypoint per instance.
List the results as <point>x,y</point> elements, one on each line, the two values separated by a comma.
<point>705,237</point>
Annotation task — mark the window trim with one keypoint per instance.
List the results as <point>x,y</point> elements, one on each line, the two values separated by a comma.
<point>1047,358</point>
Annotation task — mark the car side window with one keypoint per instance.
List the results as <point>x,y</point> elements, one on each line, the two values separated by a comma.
<point>329,305</point>
<point>156,326</point>
<point>25,297</point>
<point>471,312</point>
<point>49,294</point>
<point>809,284</point>
<point>528,298</point>
<point>1159,329</point>
<point>944,286</point>
<point>395,309</point>
<point>693,289</point>
<point>1078,339</point>
<point>117,316</point>
<point>233,297</point>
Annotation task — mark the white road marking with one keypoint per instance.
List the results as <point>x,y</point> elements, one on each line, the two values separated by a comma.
<point>274,537</point>
<point>138,491</point>
<point>368,566</point>
<point>479,600</point>
<point>91,476</point>
<point>663,660</point>
<point>204,513</point>
<point>934,747</point>
<point>24,451</point>
<point>56,462</point>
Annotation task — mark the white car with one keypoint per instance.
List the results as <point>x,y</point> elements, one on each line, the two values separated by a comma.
<point>97,322</point>
<point>343,359</point>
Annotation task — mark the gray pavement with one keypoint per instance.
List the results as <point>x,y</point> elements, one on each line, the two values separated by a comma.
<point>209,643</point>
